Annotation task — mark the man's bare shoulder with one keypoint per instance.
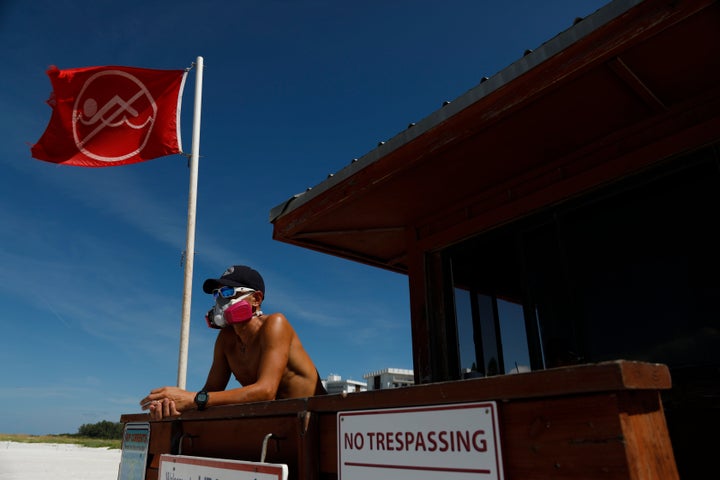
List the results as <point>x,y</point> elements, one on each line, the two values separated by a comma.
<point>276,325</point>
<point>275,321</point>
<point>277,316</point>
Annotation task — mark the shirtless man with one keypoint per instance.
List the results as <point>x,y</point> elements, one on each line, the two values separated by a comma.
<point>263,352</point>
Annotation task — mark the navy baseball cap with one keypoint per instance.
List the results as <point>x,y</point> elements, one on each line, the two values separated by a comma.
<point>236,276</point>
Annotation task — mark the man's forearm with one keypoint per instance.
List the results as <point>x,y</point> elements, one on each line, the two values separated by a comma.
<point>250,393</point>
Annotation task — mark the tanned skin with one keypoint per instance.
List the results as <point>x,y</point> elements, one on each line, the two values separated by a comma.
<point>264,354</point>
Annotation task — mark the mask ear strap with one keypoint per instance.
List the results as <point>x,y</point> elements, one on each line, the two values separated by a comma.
<point>239,299</point>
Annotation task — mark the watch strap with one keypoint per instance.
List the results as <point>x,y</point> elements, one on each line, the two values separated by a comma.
<point>201,399</point>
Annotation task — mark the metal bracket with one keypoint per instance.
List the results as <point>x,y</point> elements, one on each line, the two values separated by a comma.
<point>264,447</point>
<point>265,442</point>
<point>180,441</point>
<point>304,418</point>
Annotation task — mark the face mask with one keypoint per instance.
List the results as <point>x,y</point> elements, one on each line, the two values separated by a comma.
<point>239,312</point>
<point>235,311</point>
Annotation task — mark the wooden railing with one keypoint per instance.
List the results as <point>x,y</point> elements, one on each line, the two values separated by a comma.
<point>601,421</point>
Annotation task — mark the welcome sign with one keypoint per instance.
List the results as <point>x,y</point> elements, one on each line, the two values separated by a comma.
<point>460,441</point>
<point>181,467</point>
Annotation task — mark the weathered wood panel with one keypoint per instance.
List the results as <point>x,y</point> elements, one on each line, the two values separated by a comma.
<point>602,421</point>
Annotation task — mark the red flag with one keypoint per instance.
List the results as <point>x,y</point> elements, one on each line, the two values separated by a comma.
<point>105,116</point>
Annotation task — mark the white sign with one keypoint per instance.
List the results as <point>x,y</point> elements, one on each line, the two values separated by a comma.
<point>180,467</point>
<point>460,441</point>
<point>133,460</point>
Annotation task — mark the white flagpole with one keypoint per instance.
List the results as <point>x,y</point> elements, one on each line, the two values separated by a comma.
<point>190,243</point>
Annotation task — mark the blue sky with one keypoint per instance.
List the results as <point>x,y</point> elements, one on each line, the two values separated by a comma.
<point>91,277</point>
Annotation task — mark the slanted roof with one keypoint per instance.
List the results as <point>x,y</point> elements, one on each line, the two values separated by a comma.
<point>632,84</point>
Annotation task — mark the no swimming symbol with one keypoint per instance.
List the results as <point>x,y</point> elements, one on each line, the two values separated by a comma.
<point>113,105</point>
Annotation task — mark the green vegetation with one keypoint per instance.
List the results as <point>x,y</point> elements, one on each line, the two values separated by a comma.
<point>62,438</point>
<point>97,435</point>
<point>106,430</point>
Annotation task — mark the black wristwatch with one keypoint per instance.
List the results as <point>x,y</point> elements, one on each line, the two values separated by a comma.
<point>201,399</point>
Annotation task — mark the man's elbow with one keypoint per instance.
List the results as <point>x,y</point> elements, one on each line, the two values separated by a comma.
<point>263,393</point>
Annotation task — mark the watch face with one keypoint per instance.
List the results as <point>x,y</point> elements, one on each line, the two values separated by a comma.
<point>202,397</point>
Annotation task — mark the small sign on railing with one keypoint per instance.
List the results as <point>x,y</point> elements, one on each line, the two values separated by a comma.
<point>458,441</point>
<point>133,460</point>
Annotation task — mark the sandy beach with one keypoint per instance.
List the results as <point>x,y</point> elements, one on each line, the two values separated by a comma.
<point>41,461</point>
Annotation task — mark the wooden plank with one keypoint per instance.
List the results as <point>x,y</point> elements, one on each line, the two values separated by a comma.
<point>328,444</point>
<point>309,454</point>
<point>647,443</point>
<point>570,437</point>
<point>161,435</point>
<point>242,439</point>
<point>288,407</point>
<point>594,436</point>
<point>601,377</point>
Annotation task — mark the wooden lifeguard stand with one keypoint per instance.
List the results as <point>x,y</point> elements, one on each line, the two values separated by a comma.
<point>578,186</point>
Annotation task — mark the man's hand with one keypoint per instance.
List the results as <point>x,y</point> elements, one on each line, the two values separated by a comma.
<point>160,409</point>
<point>167,401</point>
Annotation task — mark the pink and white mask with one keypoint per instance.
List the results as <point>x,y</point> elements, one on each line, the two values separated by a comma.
<point>229,311</point>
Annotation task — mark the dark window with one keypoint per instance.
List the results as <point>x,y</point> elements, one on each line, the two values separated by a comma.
<point>630,272</point>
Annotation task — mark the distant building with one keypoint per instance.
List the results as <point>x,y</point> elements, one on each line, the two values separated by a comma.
<point>335,384</point>
<point>389,378</point>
